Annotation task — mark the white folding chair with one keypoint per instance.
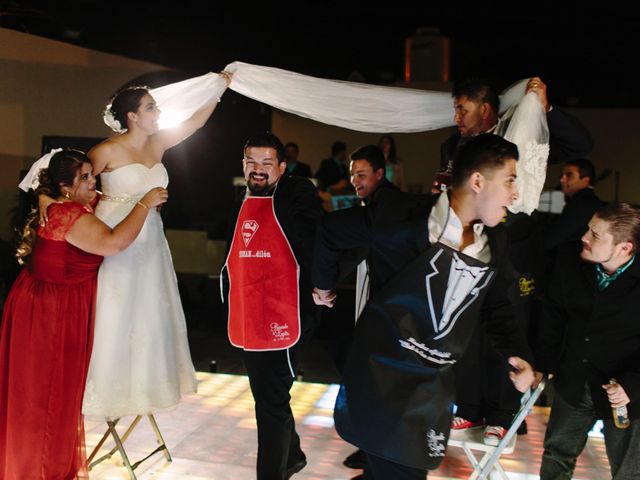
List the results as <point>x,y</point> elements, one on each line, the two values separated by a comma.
<point>472,439</point>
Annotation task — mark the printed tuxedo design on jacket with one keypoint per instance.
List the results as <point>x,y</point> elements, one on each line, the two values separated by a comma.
<point>407,339</point>
<point>463,287</point>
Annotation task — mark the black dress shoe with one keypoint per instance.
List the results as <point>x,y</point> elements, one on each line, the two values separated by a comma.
<point>356,460</point>
<point>296,467</point>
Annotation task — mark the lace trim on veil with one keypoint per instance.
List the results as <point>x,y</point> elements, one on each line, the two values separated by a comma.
<point>525,124</point>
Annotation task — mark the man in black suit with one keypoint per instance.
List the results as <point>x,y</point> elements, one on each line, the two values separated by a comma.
<point>367,178</point>
<point>367,169</point>
<point>294,166</point>
<point>590,340</point>
<point>270,310</point>
<point>576,182</point>
<point>476,107</point>
<point>436,268</point>
<point>333,175</point>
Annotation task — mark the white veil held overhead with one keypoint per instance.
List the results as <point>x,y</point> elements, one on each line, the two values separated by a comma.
<point>366,108</point>
<point>356,106</point>
<point>371,108</point>
<point>178,101</point>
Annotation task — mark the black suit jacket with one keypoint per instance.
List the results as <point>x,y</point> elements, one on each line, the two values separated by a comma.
<point>395,230</point>
<point>330,173</point>
<point>350,259</point>
<point>587,336</point>
<point>569,227</point>
<point>301,169</point>
<point>568,139</point>
<point>297,208</point>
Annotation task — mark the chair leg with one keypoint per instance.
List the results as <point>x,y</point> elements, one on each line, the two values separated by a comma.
<point>470,455</point>
<point>478,466</point>
<point>497,468</point>
<point>159,438</point>
<point>119,445</point>
<point>97,448</point>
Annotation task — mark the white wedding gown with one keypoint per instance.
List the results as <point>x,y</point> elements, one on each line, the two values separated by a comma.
<point>140,361</point>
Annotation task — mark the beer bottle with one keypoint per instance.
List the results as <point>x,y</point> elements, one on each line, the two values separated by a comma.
<point>620,414</point>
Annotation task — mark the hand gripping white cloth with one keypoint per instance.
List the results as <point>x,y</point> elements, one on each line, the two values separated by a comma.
<point>525,124</point>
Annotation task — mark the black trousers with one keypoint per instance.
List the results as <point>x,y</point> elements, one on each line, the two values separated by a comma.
<point>483,388</point>
<point>380,469</point>
<point>271,378</point>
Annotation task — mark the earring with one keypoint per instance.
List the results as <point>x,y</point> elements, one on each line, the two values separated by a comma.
<point>67,195</point>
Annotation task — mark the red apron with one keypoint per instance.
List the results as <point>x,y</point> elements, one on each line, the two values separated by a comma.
<point>264,298</point>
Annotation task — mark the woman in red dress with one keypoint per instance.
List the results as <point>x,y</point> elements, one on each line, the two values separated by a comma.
<point>47,325</point>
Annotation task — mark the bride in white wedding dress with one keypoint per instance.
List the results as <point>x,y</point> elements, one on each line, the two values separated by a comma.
<point>140,361</point>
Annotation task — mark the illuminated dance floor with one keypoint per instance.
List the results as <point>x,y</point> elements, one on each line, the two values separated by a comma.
<point>211,435</point>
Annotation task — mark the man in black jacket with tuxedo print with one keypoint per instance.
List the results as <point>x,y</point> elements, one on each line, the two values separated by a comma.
<point>437,266</point>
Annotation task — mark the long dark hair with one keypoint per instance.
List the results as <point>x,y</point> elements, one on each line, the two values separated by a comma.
<point>62,170</point>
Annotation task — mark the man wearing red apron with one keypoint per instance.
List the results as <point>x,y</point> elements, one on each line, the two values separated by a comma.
<point>270,310</point>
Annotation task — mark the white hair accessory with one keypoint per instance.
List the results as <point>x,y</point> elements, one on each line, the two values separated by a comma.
<point>31,179</point>
<point>110,120</point>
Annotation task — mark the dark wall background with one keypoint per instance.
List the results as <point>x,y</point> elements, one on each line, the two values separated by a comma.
<point>202,167</point>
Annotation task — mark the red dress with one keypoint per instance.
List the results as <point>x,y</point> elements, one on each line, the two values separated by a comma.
<point>45,347</point>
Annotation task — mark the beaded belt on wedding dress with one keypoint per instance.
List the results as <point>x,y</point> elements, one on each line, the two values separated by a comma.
<point>121,199</point>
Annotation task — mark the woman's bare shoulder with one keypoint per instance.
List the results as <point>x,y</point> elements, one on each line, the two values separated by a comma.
<point>108,155</point>
<point>110,145</point>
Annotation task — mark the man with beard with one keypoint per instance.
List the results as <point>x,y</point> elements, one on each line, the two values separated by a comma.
<point>436,269</point>
<point>270,309</point>
<point>590,340</point>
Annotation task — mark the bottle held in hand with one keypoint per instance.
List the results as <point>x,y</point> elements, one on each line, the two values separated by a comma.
<point>620,414</point>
